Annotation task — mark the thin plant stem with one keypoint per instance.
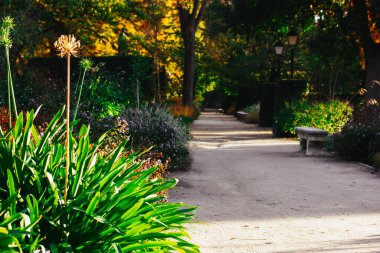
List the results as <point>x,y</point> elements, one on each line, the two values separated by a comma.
<point>67,129</point>
<point>77,85</point>
<point>67,45</point>
<point>79,95</point>
<point>11,82</point>
<point>9,97</point>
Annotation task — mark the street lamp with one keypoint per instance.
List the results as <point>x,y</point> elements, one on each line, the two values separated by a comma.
<point>279,49</point>
<point>292,39</point>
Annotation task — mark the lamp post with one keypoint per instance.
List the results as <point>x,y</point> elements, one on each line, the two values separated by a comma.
<point>292,40</point>
<point>279,49</point>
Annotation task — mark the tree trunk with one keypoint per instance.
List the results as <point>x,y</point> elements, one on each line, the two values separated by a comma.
<point>189,68</point>
<point>370,48</point>
<point>372,62</point>
<point>189,20</point>
<point>159,99</point>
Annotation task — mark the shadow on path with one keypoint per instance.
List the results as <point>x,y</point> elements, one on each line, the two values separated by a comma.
<point>259,194</point>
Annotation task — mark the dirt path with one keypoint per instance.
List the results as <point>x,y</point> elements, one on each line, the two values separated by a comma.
<point>258,194</point>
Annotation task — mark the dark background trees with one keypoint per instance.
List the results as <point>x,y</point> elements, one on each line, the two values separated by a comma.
<point>217,43</point>
<point>328,55</point>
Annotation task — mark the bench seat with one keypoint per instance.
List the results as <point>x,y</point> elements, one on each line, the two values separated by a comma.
<point>311,140</point>
<point>241,115</point>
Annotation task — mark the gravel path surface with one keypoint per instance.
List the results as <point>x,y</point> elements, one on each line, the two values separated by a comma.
<point>259,194</point>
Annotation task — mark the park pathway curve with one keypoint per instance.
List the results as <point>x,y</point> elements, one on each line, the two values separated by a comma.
<point>259,194</point>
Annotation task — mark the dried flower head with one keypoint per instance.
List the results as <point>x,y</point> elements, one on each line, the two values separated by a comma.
<point>66,45</point>
<point>86,64</point>
<point>6,27</point>
<point>372,101</point>
<point>362,91</point>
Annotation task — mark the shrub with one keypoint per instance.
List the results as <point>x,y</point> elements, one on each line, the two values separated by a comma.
<point>104,95</point>
<point>359,140</point>
<point>253,113</point>
<point>173,101</point>
<point>252,108</point>
<point>329,115</point>
<point>155,126</point>
<point>252,117</point>
<point>119,133</point>
<point>186,113</point>
<point>111,205</point>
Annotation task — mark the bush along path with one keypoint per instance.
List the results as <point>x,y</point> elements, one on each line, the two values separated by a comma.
<point>259,194</point>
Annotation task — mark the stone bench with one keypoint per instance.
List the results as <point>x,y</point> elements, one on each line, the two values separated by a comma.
<point>241,115</point>
<point>311,140</point>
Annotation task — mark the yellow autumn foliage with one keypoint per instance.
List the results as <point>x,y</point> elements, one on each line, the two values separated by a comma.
<point>152,29</point>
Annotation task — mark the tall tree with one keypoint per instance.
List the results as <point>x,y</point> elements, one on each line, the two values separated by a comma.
<point>190,16</point>
<point>366,21</point>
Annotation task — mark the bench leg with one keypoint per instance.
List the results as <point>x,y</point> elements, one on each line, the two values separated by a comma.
<point>314,148</point>
<point>303,144</point>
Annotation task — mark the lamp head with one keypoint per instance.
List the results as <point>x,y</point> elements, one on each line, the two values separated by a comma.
<point>279,48</point>
<point>292,38</point>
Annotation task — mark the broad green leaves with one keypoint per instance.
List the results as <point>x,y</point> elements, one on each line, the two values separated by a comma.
<point>111,206</point>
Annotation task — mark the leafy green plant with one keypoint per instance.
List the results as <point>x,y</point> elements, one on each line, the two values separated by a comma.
<point>111,206</point>
<point>252,108</point>
<point>253,113</point>
<point>16,227</point>
<point>155,126</point>
<point>329,115</point>
<point>105,95</point>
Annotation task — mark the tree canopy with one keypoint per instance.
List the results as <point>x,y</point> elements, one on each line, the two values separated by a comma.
<point>219,43</point>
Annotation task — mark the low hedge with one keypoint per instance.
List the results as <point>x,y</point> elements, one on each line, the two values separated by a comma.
<point>328,115</point>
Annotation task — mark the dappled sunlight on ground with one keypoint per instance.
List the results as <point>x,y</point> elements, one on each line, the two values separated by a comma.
<point>354,233</point>
<point>260,194</point>
<point>246,144</point>
<point>218,131</point>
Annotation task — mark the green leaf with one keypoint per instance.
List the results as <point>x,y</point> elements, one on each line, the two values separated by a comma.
<point>93,204</point>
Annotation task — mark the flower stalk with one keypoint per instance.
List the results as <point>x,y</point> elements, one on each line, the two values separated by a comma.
<point>67,128</point>
<point>67,45</point>
<point>6,27</point>
<point>85,65</point>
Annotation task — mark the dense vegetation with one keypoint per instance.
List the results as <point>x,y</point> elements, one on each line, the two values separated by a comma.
<point>111,205</point>
<point>62,191</point>
<point>232,48</point>
<point>359,140</point>
<point>330,116</point>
